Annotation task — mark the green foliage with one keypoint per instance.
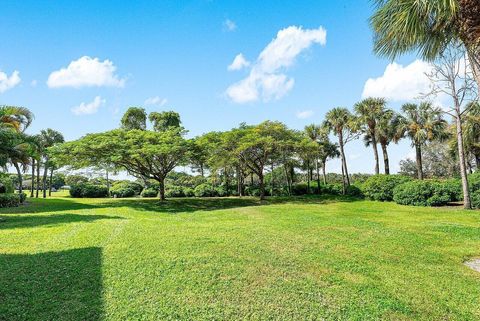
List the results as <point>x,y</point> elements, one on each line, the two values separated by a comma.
<point>423,193</point>
<point>122,191</point>
<point>174,191</point>
<point>474,181</point>
<point>380,187</point>
<point>135,187</point>
<point>88,190</point>
<point>134,118</point>
<point>165,120</point>
<point>205,190</point>
<point>6,184</point>
<point>150,192</point>
<point>23,197</point>
<point>301,188</point>
<point>475,197</point>
<point>71,180</point>
<point>9,200</point>
<point>189,192</point>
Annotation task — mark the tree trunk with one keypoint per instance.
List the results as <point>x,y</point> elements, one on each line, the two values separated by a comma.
<point>318,176</point>
<point>346,178</point>
<point>477,162</point>
<point>324,173</point>
<point>239,182</point>
<point>38,179</point>
<point>50,185</point>
<point>308,177</point>
<point>227,185</point>
<point>375,154</point>
<point>272,181</point>
<point>386,162</point>
<point>44,181</point>
<point>287,179</point>
<point>201,171</point>
<point>161,189</point>
<point>262,186</point>
<point>33,177</point>
<point>108,183</point>
<point>461,155</point>
<point>418,157</point>
<point>474,58</point>
<point>344,187</point>
<point>20,179</point>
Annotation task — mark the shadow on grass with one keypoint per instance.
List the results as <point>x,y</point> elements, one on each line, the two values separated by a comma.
<point>173,205</point>
<point>63,285</point>
<point>11,222</point>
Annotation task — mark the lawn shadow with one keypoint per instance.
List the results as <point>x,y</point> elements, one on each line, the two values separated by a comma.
<point>64,285</point>
<point>16,221</point>
<point>172,205</point>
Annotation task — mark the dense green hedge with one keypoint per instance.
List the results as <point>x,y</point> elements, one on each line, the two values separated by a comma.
<point>10,199</point>
<point>149,192</point>
<point>380,187</point>
<point>205,190</point>
<point>423,193</point>
<point>88,190</point>
<point>125,189</point>
<point>476,199</point>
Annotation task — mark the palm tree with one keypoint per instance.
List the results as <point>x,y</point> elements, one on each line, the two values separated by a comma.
<point>386,133</point>
<point>368,112</point>
<point>421,123</point>
<point>428,27</point>
<point>315,133</point>
<point>48,138</point>
<point>16,118</point>
<point>472,131</point>
<point>341,122</point>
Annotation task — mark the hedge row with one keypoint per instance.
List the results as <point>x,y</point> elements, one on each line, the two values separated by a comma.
<point>11,199</point>
<point>88,190</point>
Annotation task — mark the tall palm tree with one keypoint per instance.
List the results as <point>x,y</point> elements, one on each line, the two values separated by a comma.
<point>428,27</point>
<point>16,118</point>
<point>386,133</point>
<point>421,123</point>
<point>472,132</point>
<point>341,122</point>
<point>48,138</point>
<point>368,112</point>
<point>315,133</point>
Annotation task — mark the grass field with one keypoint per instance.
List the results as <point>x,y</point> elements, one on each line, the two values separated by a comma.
<point>230,259</point>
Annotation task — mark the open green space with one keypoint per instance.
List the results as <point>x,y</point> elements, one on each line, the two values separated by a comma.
<point>309,258</point>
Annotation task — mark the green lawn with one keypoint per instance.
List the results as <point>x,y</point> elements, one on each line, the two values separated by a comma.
<point>230,259</point>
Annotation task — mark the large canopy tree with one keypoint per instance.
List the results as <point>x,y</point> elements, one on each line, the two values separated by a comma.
<point>164,120</point>
<point>134,118</point>
<point>142,153</point>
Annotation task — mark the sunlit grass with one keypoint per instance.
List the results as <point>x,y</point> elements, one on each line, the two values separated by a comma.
<point>223,259</point>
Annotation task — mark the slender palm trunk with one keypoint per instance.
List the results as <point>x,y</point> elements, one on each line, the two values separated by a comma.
<point>318,176</point>
<point>44,182</point>
<point>33,177</point>
<point>346,178</point>
<point>308,177</point>
<point>418,157</point>
<point>262,185</point>
<point>20,178</point>
<point>324,173</point>
<point>38,179</point>
<point>461,155</point>
<point>386,161</point>
<point>161,189</point>
<point>50,185</point>
<point>272,180</point>
<point>287,180</point>
<point>375,154</point>
<point>474,58</point>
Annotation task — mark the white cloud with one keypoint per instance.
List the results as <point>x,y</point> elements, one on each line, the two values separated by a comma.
<point>305,114</point>
<point>7,83</point>
<point>238,63</point>
<point>89,108</point>
<point>267,80</point>
<point>400,83</point>
<point>229,25</point>
<point>155,101</point>
<point>86,72</point>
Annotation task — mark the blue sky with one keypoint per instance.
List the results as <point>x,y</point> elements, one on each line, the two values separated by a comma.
<point>176,54</point>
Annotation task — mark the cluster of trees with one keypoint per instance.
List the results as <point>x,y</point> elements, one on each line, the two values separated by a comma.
<point>22,151</point>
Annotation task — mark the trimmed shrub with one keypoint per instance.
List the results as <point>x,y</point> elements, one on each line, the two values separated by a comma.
<point>188,191</point>
<point>475,197</point>
<point>205,190</point>
<point>137,188</point>
<point>149,192</point>
<point>423,193</point>
<point>474,181</point>
<point>300,189</point>
<point>221,191</point>
<point>122,192</point>
<point>380,187</point>
<point>88,190</point>
<point>454,188</point>
<point>23,197</point>
<point>9,200</point>
<point>174,191</point>
<point>354,190</point>
<point>6,184</point>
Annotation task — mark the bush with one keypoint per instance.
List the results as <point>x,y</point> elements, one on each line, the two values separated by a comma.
<point>23,197</point>
<point>149,192</point>
<point>300,189</point>
<point>221,191</point>
<point>204,190</point>
<point>122,192</point>
<point>174,191</point>
<point>354,190</point>
<point>475,197</point>
<point>423,193</point>
<point>188,191</point>
<point>474,181</point>
<point>6,184</point>
<point>252,191</point>
<point>9,200</point>
<point>137,188</point>
<point>88,190</point>
<point>380,187</point>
